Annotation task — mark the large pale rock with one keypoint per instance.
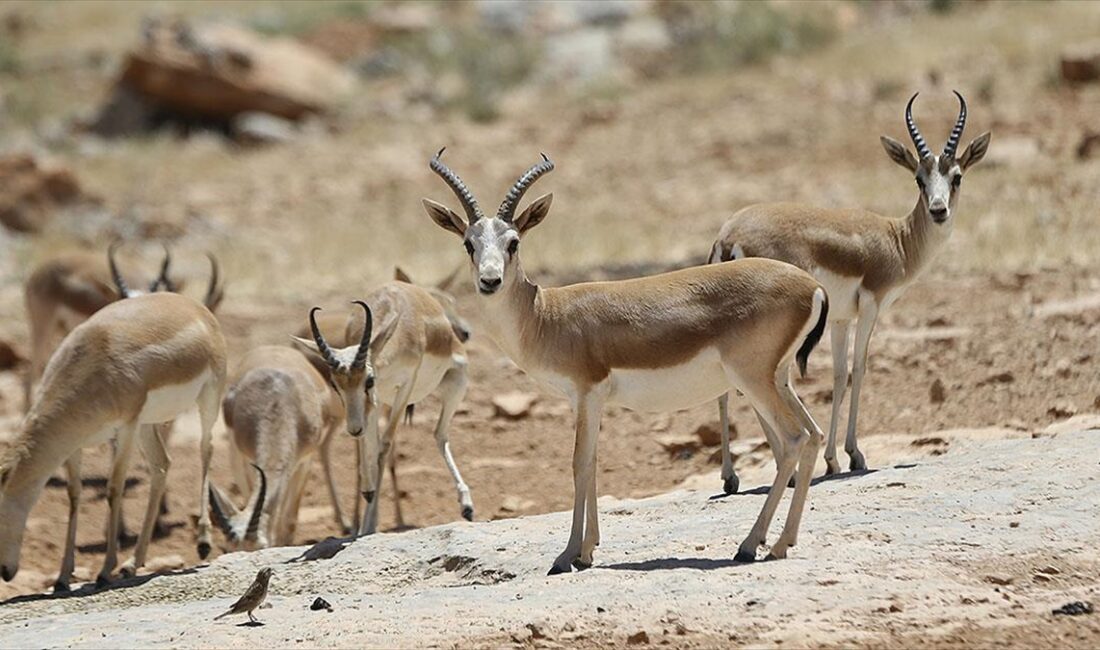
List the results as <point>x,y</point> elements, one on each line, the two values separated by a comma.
<point>31,191</point>
<point>514,405</point>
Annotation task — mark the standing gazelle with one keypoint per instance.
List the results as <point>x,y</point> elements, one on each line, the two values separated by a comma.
<point>664,342</point>
<point>279,411</point>
<point>134,363</point>
<point>864,260</point>
<point>413,353</point>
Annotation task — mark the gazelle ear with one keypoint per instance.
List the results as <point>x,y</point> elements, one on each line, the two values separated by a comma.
<point>400,275</point>
<point>534,214</point>
<point>382,333</point>
<point>899,153</point>
<point>445,217</point>
<point>975,151</point>
<point>306,346</point>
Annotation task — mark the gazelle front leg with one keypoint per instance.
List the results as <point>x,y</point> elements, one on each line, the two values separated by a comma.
<point>452,389</point>
<point>588,409</point>
<point>839,338</point>
<point>730,482</point>
<point>369,525</point>
<point>868,315</point>
<point>156,456</point>
<point>72,470</point>
<point>330,481</point>
<point>115,485</point>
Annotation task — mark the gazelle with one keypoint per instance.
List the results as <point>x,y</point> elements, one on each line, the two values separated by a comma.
<point>279,411</point>
<point>663,342</point>
<point>864,260</point>
<point>413,353</point>
<point>134,363</point>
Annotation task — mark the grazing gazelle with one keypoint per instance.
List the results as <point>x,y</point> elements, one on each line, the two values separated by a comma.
<point>414,353</point>
<point>280,411</point>
<point>63,292</point>
<point>863,259</point>
<point>664,342</point>
<point>134,363</point>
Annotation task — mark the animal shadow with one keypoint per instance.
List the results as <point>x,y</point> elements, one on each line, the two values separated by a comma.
<point>667,563</point>
<point>764,489</point>
<point>90,588</point>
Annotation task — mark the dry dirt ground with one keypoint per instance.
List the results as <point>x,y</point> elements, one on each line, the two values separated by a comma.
<point>1008,320</point>
<point>974,547</point>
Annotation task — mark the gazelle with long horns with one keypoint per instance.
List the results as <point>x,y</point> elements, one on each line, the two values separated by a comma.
<point>413,353</point>
<point>661,343</point>
<point>279,411</point>
<point>863,259</point>
<point>134,363</point>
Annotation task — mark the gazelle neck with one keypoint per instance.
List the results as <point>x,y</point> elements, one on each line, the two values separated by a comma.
<point>919,239</point>
<point>512,311</point>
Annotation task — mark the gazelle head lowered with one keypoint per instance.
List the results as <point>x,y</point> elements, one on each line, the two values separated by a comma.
<point>492,243</point>
<point>938,177</point>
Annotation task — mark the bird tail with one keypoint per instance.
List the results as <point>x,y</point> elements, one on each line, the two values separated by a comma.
<point>223,615</point>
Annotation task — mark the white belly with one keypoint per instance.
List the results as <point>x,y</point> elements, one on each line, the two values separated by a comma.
<point>167,402</point>
<point>698,380</point>
<point>843,292</point>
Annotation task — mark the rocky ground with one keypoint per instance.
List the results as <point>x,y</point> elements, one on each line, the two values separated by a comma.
<point>975,546</point>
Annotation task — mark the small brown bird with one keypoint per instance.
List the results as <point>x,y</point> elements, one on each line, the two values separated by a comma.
<point>252,598</point>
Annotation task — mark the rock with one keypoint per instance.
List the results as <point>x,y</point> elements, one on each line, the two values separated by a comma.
<point>677,444</point>
<point>579,56</point>
<point>165,563</point>
<point>536,631</point>
<point>1062,409</point>
<point>213,73</point>
<point>512,504</point>
<point>999,579</point>
<point>1050,570</point>
<point>30,192</point>
<point>937,393</point>
<point>319,604</point>
<point>514,406</point>
<point>252,129</point>
<point>998,378</point>
<point>1076,608</point>
<point>710,435</point>
<point>1063,368</point>
<point>1041,577</point>
<point>1080,63</point>
<point>638,638</point>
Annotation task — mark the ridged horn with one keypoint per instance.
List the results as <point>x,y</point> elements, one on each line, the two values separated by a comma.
<point>162,277</point>
<point>364,343</point>
<point>120,284</point>
<point>465,196</point>
<point>957,130</point>
<point>507,209</point>
<point>217,514</point>
<point>914,133</point>
<point>319,339</point>
<point>215,292</point>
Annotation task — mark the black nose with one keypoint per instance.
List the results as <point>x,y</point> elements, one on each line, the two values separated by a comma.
<point>6,573</point>
<point>355,434</point>
<point>463,335</point>
<point>939,215</point>
<point>491,283</point>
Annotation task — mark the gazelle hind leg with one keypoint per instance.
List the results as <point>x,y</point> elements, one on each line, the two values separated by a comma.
<point>868,314</point>
<point>399,517</point>
<point>156,457</point>
<point>775,442</point>
<point>806,461</point>
<point>72,471</point>
<point>452,390</point>
<point>839,337</point>
<point>209,401</point>
<point>730,482</point>
<point>115,488</point>
<point>588,409</point>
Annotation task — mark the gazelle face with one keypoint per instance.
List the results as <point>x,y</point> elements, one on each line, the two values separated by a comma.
<point>493,245</point>
<point>14,508</point>
<point>939,179</point>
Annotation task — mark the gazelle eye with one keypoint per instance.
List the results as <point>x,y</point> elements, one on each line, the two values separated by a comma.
<point>957,181</point>
<point>920,183</point>
<point>513,246</point>
<point>370,382</point>
<point>469,248</point>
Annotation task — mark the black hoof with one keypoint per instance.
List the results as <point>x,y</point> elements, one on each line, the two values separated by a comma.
<point>61,587</point>
<point>555,570</point>
<point>730,485</point>
<point>204,550</point>
<point>744,556</point>
<point>831,469</point>
<point>468,513</point>
<point>857,463</point>
<point>102,580</point>
<point>581,566</point>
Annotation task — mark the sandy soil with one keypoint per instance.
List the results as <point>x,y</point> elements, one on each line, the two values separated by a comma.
<point>976,546</point>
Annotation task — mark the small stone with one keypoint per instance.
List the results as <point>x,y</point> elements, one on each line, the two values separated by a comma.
<point>1050,570</point>
<point>1041,577</point>
<point>1075,608</point>
<point>1013,524</point>
<point>710,435</point>
<point>319,604</point>
<point>513,504</point>
<point>514,405</point>
<point>937,393</point>
<point>999,579</point>
<point>165,563</point>
<point>679,445</point>
<point>1062,409</point>
<point>536,631</point>
<point>638,638</point>
<point>895,608</point>
<point>1063,368</point>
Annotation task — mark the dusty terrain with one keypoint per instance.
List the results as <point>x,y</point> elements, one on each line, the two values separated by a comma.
<point>976,546</point>
<point>1007,320</point>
